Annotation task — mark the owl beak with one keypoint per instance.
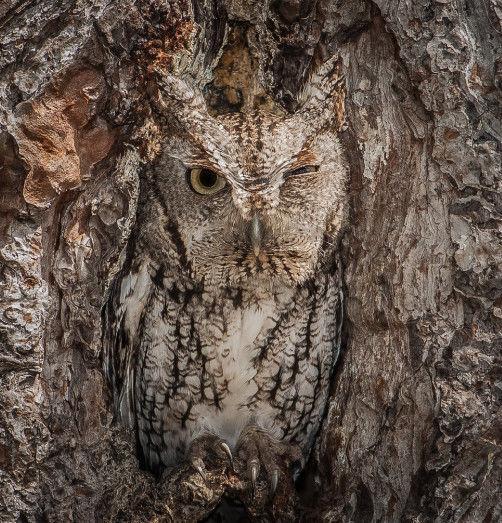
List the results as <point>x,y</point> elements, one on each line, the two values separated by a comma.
<point>256,232</point>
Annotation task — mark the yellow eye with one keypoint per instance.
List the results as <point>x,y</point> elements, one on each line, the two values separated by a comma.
<point>204,181</point>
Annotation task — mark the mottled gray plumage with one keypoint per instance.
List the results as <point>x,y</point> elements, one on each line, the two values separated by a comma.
<point>226,314</point>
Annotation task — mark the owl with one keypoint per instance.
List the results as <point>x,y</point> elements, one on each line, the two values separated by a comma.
<point>221,331</point>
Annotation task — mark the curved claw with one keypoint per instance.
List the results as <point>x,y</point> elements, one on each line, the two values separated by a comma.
<point>274,481</point>
<point>255,468</point>
<point>228,452</point>
<point>198,465</point>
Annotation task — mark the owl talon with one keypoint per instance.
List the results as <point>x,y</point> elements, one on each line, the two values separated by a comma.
<point>274,480</point>
<point>228,452</point>
<point>208,452</point>
<point>257,450</point>
<point>198,465</point>
<point>255,469</point>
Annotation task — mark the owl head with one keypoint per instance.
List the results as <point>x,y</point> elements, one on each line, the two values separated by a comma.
<point>257,198</point>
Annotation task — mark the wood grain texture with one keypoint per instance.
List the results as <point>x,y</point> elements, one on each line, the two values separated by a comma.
<point>411,433</point>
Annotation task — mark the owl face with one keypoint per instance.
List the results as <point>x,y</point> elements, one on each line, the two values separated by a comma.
<point>257,199</point>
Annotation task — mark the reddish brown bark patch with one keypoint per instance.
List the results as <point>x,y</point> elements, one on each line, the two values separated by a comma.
<point>169,33</point>
<point>59,137</point>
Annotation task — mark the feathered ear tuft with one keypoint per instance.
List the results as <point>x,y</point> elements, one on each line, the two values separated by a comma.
<point>177,98</point>
<point>183,109</point>
<point>178,90</point>
<point>322,100</point>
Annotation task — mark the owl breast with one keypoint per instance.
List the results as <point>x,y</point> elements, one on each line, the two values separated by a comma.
<point>217,362</point>
<point>246,328</point>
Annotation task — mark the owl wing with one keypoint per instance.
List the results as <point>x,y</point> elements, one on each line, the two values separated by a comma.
<point>122,317</point>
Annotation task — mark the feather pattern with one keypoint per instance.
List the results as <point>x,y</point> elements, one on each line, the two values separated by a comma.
<point>228,310</point>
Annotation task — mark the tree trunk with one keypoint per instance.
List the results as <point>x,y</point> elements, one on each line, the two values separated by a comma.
<point>411,431</point>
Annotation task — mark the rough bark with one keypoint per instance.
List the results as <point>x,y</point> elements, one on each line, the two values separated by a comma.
<point>411,433</point>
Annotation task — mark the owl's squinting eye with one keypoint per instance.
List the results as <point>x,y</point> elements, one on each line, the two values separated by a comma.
<point>204,181</point>
<point>305,169</point>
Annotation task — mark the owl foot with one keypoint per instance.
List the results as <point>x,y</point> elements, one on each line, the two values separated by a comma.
<point>208,452</point>
<point>267,465</point>
<point>191,490</point>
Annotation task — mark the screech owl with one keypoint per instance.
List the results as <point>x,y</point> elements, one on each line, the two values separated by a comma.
<point>223,325</point>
